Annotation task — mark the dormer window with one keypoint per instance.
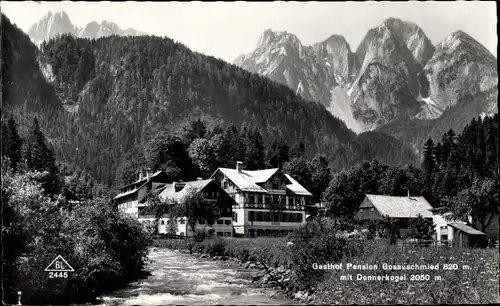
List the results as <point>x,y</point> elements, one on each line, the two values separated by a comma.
<point>276,185</point>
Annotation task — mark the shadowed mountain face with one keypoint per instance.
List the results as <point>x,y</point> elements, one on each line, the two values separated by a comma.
<point>53,24</point>
<point>395,74</point>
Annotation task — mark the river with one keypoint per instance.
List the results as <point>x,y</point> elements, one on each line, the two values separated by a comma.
<point>180,278</point>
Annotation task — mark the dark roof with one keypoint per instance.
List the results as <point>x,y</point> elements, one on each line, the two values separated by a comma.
<point>465,228</point>
<point>121,195</point>
<point>143,180</point>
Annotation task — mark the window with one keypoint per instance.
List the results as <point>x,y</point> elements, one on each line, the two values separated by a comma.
<point>182,233</point>
<point>267,216</point>
<point>216,194</point>
<point>276,185</point>
<point>220,221</point>
<point>372,209</point>
<point>210,222</point>
<point>267,199</point>
<point>226,185</point>
<point>251,216</point>
<point>251,199</point>
<point>168,221</point>
<point>162,222</point>
<point>235,217</point>
<point>227,222</point>
<point>182,221</point>
<point>259,216</point>
<point>220,234</point>
<point>259,198</point>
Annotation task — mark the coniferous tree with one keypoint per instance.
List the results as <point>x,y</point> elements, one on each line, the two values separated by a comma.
<point>429,162</point>
<point>12,144</point>
<point>254,150</point>
<point>42,159</point>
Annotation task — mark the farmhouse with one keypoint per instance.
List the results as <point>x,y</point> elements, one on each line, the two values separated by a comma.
<point>267,202</point>
<point>401,209</point>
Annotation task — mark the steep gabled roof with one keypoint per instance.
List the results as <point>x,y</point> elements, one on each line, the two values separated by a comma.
<point>242,179</point>
<point>135,190</point>
<point>295,187</point>
<point>249,180</point>
<point>261,176</point>
<point>400,207</point>
<point>168,191</point>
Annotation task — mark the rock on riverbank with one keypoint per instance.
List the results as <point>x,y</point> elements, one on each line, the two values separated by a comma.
<point>268,277</point>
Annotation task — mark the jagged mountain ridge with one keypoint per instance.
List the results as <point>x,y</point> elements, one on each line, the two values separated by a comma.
<point>292,65</point>
<point>395,73</point>
<point>53,24</point>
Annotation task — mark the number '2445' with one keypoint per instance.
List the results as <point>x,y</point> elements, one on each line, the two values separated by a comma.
<point>58,274</point>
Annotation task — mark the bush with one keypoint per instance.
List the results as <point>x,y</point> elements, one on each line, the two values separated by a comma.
<point>106,248</point>
<point>317,242</point>
<point>212,246</point>
<point>421,228</point>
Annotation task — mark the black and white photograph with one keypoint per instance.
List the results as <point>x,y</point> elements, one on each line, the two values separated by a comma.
<point>249,153</point>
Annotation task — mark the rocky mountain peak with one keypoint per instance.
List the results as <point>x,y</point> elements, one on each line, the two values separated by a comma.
<point>50,25</point>
<point>53,24</point>
<point>460,68</point>
<point>335,53</point>
<point>272,38</point>
<point>462,42</point>
<point>337,41</point>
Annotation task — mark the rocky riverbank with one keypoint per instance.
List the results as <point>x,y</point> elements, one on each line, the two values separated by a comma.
<point>267,277</point>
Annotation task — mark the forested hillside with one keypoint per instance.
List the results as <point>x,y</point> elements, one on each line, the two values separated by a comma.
<point>415,132</point>
<point>100,101</point>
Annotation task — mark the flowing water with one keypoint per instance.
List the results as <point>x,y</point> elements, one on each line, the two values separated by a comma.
<point>180,278</point>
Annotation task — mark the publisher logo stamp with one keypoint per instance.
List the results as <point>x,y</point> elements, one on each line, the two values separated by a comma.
<point>59,268</point>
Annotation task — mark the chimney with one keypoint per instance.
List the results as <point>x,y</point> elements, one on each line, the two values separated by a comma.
<point>148,173</point>
<point>140,175</point>
<point>239,165</point>
<point>408,193</point>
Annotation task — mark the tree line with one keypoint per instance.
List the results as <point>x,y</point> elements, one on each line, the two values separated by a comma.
<point>460,173</point>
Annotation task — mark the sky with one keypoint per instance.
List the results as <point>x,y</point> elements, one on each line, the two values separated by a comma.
<point>227,29</point>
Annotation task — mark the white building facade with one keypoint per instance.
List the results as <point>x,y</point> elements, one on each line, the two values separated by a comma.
<point>267,202</point>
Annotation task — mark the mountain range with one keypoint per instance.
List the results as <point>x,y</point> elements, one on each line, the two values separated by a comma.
<point>110,96</point>
<point>113,94</point>
<point>53,24</point>
<point>394,74</point>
